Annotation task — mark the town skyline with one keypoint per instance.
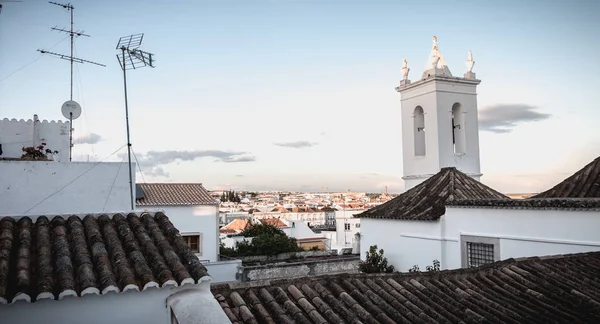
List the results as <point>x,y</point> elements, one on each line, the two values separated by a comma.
<point>287,95</point>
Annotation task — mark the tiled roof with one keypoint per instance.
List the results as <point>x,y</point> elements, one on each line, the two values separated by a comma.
<point>427,200</point>
<point>274,221</point>
<point>585,183</point>
<point>328,209</point>
<point>51,258</point>
<point>174,194</point>
<point>236,226</point>
<point>279,209</point>
<point>537,203</point>
<point>303,209</point>
<point>563,289</point>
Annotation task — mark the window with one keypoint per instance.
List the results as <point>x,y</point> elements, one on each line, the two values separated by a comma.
<point>347,226</point>
<point>194,242</point>
<point>478,250</point>
<point>357,225</point>
<point>458,129</point>
<point>419,131</point>
<point>479,254</point>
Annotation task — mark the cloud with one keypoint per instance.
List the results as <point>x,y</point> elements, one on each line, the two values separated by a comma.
<point>90,138</point>
<point>369,175</point>
<point>504,118</point>
<point>235,159</point>
<point>296,144</point>
<point>152,162</point>
<point>157,171</point>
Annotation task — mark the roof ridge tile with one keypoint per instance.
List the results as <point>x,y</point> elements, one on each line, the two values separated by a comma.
<point>427,200</point>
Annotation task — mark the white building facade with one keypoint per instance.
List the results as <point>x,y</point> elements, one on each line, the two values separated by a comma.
<point>16,134</point>
<point>196,214</point>
<point>51,187</point>
<point>476,235</point>
<point>346,227</point>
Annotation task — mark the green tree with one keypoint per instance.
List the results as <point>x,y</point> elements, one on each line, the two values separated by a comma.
<point>266,240</point>
<point>375,262</point>
<point>270,245</point>
<point>260,229</point>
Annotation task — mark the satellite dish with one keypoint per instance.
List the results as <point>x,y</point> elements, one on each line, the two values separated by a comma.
<point>71,110</point>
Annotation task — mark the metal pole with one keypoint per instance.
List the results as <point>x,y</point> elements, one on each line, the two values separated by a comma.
<point>127,122</point>
<point>70,136</point>
<point>71,96</point>
<point>71,53</point>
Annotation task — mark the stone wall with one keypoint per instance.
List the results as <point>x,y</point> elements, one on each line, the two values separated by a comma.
<point>287,256</point>
<point>299,269</point>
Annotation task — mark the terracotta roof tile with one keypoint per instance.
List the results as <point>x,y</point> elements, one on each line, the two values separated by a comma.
<point>427,200</point>
<point>274,221</point>
<point>564,289</point>
<point>52,258</point>
<point>174,194</point>
<point>585,183</point>
<point>328,209</point>
<point>236,226</point>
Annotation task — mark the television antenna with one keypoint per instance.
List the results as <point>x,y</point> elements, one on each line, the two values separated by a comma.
<point>130,58</point>
<point>72,33</point>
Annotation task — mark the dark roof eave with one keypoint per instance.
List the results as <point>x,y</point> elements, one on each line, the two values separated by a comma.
<point>531,203</point>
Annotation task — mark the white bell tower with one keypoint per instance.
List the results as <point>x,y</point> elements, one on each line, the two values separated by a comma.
<point>439,120</point>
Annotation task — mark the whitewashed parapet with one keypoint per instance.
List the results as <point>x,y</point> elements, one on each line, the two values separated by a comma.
<point>17,133</point>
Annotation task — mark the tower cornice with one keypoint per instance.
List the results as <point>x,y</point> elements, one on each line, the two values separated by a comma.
<point>434,78</point>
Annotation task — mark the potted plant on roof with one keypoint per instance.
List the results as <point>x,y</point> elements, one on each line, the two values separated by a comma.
<point>38,153</point>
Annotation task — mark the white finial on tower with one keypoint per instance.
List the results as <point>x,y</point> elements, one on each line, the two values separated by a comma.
<point>405,81</point>
<point>436,53</point>
<point>436,65</point>
<point>470,63</point>
<point>405,70</point>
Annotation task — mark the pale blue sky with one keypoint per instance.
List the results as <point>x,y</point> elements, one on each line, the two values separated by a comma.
<point>241,76</point>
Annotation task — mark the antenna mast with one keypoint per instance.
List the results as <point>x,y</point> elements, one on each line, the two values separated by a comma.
<point>72,33</point>
<point>131,57</point>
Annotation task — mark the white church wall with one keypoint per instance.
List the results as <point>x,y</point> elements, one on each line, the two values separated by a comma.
<point>405,243</point>
<point>42,188</point>
<point>15,134</point>
<point>436,97</point>
<point>522,232</point>
<point>448,94</point>
<point>427,164</point>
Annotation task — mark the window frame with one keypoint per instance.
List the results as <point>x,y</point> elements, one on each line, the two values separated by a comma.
<point>464,239</point>
<point>187,236</point>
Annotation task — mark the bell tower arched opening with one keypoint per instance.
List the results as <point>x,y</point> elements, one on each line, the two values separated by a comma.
<point>458,129</point>
<point>419,131</point>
